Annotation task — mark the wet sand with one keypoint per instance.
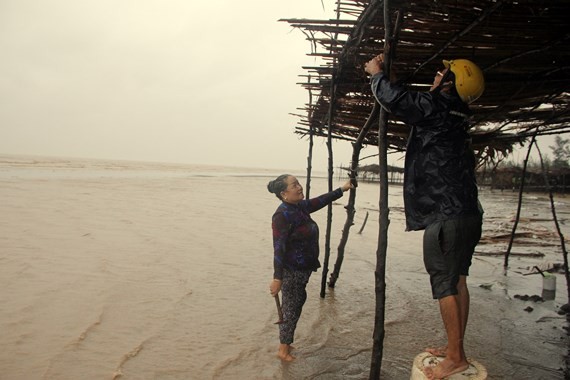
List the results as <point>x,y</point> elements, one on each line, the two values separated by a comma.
<point>158,271</point>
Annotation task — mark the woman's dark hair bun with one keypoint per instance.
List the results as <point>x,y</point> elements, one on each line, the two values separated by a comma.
<point>271,186</point>
<point>278,185</point>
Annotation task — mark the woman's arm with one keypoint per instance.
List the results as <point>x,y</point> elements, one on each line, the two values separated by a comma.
<point>280,226</point>
<point>321,201</point>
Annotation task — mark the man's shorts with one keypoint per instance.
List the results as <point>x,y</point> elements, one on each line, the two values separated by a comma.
<point>448,250</point>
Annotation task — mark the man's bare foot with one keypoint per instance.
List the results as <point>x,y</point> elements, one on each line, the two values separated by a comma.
<point>437,351</point>
<point>444,369</point>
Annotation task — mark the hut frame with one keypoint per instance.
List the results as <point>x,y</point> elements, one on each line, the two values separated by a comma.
<point>522,46</point>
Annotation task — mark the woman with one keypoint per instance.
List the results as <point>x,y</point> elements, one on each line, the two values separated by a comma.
<point>296,250</point>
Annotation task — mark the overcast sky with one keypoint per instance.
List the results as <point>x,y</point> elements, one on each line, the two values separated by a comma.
<point>201,82</point>
<point>206,82</point>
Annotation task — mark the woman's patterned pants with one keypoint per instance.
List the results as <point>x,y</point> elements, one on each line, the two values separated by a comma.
<point>294,296</point>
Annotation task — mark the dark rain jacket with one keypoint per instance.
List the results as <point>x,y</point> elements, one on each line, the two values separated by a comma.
<point>439,172</point>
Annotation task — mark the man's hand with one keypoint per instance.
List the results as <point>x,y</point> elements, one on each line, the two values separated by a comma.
<point>375,65</point>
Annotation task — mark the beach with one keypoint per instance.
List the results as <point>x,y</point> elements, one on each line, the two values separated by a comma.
<point>137,270</point>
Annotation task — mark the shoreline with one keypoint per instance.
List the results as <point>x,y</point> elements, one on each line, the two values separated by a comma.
<point>115,274</point>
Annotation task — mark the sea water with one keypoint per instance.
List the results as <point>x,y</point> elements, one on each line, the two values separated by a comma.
<point>160,271</point>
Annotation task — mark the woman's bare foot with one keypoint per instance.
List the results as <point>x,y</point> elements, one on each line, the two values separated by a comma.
<point>284,353</point>
<point>437,351</point>
<point>444,369</point>
<point>285,357</point>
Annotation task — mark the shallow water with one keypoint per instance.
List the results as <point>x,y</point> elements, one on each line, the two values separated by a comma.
<point>156,271</point>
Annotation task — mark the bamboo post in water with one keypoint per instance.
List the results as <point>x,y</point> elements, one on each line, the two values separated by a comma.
<point>363,223</point>
<point>557,225</point>
<point>350,210</point>
<point>384,221</point>
<point>330,179</point>
<point>332,101</point>
<point>521,189</point>
<point>309,164</point>
<point>311,143</point>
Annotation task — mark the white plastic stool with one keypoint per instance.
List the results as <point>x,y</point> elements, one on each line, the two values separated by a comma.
<point>476,371</point>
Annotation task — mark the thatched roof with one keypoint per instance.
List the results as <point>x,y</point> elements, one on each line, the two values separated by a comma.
<point>522,46</point>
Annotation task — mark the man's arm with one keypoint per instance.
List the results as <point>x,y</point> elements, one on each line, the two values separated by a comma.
<point>410,106</point>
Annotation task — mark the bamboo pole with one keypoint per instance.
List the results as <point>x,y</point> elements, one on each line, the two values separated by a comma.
<point>330,179</point>
<point>332,101</point>
<point>556,224</point>
<point>350,210</point>
<point>384,221</point>
<point>363,223</point>
<point>518,215</point>
<point>311,143</point>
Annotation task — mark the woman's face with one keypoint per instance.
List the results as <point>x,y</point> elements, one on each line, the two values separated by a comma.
<point>294,192</point>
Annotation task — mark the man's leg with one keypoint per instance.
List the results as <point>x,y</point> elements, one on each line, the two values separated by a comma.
<point>463,302</point>
<point>455,360</point>
<point>444,260</point>
<point>451,315</point>
<point>464,299</point>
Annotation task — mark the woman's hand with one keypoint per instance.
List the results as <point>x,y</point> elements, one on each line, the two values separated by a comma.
<point>347,185</point>
<point>275,287</point>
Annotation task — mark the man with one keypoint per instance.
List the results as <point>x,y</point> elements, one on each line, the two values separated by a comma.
<point>440,191</point>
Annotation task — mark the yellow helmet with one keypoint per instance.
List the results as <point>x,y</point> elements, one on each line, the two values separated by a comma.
<point>469,80</point>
